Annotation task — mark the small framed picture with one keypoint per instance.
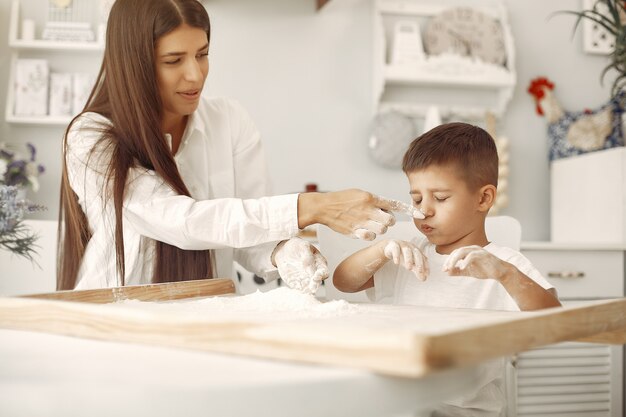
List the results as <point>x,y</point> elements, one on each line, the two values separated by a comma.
<point>596,39</point>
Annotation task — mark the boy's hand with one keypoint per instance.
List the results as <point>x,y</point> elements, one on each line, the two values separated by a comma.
<point>475,261</point>
<point>408,256</point>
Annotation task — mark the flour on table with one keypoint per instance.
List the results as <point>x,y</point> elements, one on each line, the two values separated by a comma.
<point>278,304</point>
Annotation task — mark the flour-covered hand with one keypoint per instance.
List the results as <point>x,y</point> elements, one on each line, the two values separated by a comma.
<point>354,212</point>
<point>475,261</point>
<point>369,229</point>
<point>400,207</point>
<point>300,265</point>
<point>408,256</point>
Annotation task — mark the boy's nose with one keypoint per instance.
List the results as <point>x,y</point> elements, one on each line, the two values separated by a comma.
<point>427,209</point>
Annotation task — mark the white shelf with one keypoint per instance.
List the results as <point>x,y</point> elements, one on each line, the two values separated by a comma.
<point>40,44</point>
<point>458,86</point>
<point>406,75</point>
<point>545,245</point>
<point>423,8</point>
<point>38,120</point>
<point>44,49</point>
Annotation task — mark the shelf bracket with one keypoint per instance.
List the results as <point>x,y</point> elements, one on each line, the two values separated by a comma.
<point>321,3</point>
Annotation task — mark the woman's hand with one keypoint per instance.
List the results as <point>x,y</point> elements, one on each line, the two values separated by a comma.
<point>300,265</point>
<point>352,212</point>
<point>408,256</point>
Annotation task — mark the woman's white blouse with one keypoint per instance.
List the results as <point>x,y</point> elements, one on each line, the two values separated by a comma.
<point>221,161</point>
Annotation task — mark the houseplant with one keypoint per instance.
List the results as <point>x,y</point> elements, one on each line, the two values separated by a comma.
<point>611,15</point>
<point>17,173</point>
<point>15,236</point>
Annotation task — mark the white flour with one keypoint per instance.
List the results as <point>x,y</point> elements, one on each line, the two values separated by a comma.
<point>278,304</point>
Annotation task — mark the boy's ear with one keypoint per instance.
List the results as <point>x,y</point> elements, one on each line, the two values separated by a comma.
<point>487,195</point>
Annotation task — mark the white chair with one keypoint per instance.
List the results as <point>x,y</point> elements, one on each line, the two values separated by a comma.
<point>20,276</point>
<point>502,230</point>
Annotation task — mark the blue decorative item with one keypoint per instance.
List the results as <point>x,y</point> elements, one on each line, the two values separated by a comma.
<point>575,133</point>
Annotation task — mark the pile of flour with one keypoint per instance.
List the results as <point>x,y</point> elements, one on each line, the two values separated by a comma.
<point>278,304</point>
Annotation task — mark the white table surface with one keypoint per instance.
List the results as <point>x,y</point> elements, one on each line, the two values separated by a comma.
<point>51,375</point>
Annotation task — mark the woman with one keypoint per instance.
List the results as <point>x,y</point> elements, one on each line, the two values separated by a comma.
<point>160,184</point>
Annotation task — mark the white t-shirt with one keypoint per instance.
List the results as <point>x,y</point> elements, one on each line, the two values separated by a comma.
<point>221,161</point>
<point>399,286</point>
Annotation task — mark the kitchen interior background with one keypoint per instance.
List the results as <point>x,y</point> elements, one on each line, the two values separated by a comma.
<point>306,78</point>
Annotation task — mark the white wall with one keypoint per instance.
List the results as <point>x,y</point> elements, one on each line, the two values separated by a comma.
<point>306,78</point>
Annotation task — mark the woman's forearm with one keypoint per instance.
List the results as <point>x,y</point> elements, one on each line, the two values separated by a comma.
<point>350,212</point>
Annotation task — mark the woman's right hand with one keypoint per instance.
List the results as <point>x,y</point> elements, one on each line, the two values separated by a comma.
<point>300,265</point>
<point>351,212</point>
<point>406,255</point>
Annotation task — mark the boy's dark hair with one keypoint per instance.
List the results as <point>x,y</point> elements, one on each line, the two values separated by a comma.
<point>471,148</point>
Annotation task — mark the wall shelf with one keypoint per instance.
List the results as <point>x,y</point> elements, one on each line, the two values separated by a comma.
<point>451,82</point>
<point>407,75</point>
<point>38,120</point>
<point>54,52</point>
<point>321,3</point>
<point>40,44</point>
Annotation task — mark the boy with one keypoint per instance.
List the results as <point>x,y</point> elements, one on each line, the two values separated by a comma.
<point>453,177</point>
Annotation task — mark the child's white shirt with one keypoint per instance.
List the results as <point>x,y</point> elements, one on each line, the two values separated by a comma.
<point>394,284</point>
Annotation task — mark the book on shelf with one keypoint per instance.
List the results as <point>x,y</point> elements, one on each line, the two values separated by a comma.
<point>31,87</point>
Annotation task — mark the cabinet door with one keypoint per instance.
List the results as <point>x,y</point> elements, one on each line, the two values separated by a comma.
<point>570,379</point>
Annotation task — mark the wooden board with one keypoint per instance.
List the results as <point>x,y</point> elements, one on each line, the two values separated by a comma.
<point>152,292</point>
<point>397,340</point>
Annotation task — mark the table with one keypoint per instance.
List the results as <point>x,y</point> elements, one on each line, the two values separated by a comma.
<point>162,359</point>
<point>52,375</point>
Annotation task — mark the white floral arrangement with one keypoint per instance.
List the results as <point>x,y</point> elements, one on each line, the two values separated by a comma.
<point>20,171</point>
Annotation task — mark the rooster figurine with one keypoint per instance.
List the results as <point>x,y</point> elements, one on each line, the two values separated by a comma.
<point>574,133</point>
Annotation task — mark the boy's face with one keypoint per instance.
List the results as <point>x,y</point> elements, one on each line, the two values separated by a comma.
<point>454,214</point>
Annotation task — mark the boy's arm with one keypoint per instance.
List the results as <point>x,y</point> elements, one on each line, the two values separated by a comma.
<point>527,293</point>
<point>356,272</point>
<point>476,262</point>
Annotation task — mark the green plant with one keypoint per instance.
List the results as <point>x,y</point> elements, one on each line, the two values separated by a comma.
<point>611,15</point>
<point>15,236</point>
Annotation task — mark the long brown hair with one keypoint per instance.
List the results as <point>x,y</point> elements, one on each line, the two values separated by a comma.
<point>126,93</point>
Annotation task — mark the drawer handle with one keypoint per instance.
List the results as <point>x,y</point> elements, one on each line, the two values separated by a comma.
<point>566,274</point>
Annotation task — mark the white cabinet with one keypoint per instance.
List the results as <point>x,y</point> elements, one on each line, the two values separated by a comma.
<point>459,85</point>
<point>62,57</point>
<point>570,379</point>
<point>574,379</point>
<point>601,215</point>
<point>580,272</point>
